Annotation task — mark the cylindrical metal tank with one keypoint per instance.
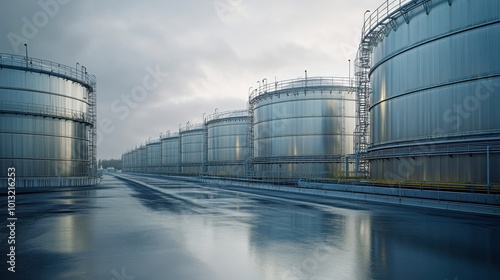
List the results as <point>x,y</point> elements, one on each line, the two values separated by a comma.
<point>227,151</point>
<point>47,122</point>
<point>154,157</point>
<point>131,161</point>
<point>435,74</point>
<point>126,161</point>
<point>302,128</point>
<point>142,159</point>
<point>137,161</point>
<point>193,148</point>
<point>170,153</point>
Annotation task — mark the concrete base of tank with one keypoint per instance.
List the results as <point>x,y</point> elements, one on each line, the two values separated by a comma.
<point>462,168</point>
<point>442,200</point>
<point>53,182</point>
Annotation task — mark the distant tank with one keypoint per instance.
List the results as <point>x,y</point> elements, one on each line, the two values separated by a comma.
<point>227,143</point>
<point>154,156</point>
<point>302,128</point>
<point>170,147</point>
<point>193,149</point>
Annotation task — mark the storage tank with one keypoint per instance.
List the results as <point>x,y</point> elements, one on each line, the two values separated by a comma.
<point>47,123</point>
<point>435,76</point>
<point>137,160</point>
<point>193,148</point>
<point>132,156</point>
<point>302,128</point>
<point>126,161</point>
<point>153,150</point>
<point>227,143</point>
<point>170,144</point>
<point>142,159</point>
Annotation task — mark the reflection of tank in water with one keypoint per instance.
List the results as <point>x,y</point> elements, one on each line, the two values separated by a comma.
<point>318,244</point>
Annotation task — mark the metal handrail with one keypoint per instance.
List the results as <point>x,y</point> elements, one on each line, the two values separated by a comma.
<point>29,63</point>
<point>44,110</point>
<point>436,149</point>
<point>389,10</point>
<point>301,83</point>
<point>190,127</point>
<point>227,114</point>
<point>412,140</point>
<point>170,135</point>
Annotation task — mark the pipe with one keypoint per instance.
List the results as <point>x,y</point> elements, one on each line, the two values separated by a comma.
<point>347,166</point>
<point>357,163</point>
<point>488,169</point>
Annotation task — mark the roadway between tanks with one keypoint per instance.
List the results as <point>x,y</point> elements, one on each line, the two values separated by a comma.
<point>160,228</point>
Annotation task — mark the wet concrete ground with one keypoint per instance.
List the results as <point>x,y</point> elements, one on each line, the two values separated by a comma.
<point>183,230</point>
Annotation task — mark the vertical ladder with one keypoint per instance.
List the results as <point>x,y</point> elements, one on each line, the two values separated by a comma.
<point>250,152</point>
<point>92,111</point>
<point>363,92</point>
<point>342,125</point>
<point>179,159</point>
<point>205,148</point>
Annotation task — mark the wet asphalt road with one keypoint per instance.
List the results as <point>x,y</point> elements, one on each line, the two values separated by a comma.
<point>182,230</point>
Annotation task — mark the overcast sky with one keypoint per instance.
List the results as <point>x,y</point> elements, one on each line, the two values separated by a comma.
<point>161,63</point>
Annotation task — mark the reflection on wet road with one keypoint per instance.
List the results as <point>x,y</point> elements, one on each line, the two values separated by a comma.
<point>170,229</point>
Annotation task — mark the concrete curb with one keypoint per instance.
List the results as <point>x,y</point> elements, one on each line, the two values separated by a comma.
<point>424,202</point>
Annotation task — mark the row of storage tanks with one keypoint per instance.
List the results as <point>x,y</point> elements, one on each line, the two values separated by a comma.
<point>294,128</point>
<point>431,70</point>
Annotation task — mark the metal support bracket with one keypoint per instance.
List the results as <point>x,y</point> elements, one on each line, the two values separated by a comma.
<point>394,24</point>
<point>427,6</point>
<point>405,16</point>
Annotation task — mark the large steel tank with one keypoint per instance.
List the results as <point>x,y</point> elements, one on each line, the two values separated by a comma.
<point>170,147</point>
<point>193,148</point>
<point>126,161</point>
<point>47,122</point>
<point>132,160</point>
<point>302,128</point>
<point>154,157</point>
<point>142,159</point>
<point>435,75</point>
<point>227,152</point>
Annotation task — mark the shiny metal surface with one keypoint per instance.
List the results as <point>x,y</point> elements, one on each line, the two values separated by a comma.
<point>126,161</point>
<point>192,148</point>
<point>227,143</point>
<point>437,78</point>
<point>170,153</point>
<point>46,118</point>
<point>303,131</point>
<point>154,157</point>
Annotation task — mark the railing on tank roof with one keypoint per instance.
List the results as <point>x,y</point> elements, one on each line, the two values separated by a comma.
<point>388,11</point>
<point>49,67</point>
<point>169,134</point>
<point>189,127</point>
<point>152,141</point>
<point>227,114</point>
<point>300,83</point>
